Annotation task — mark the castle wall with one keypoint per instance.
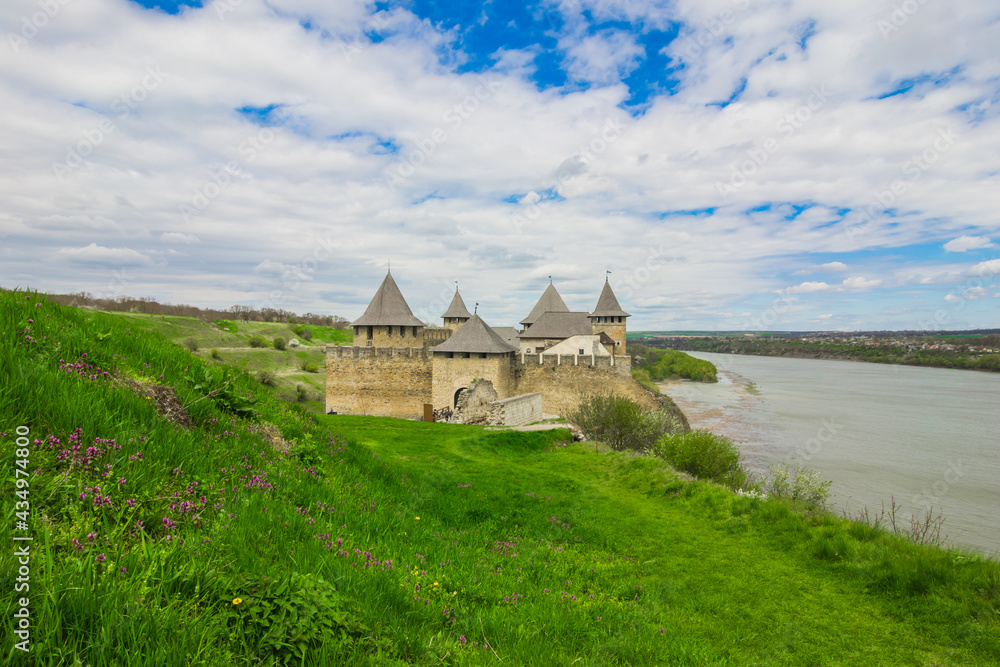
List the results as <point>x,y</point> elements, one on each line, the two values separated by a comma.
<point>382,381</point>
<point>451,374</point>
<point>563,386</point>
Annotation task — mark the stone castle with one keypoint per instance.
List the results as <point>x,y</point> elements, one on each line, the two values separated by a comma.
<point>400,367</point>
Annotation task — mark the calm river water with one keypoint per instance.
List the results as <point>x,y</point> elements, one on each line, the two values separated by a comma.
<point>926,436</point>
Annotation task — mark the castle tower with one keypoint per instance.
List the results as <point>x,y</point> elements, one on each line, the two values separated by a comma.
<point>388,321</point>
<point>474,351</point>
<point>457,314</point>
<point>608,317</point>
<point>550,302</point>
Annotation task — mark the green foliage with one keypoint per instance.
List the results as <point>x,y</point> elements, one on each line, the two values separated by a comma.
<point>226,325</point>
<point>704,455</point>
<point>643,377</point>
<point>227,388</point>
<point>803,485</point>
<point>621,423</point>
<point>292,617</point>
<point>303,332</point>
<point>279,343</point>
<point>257,341</point>
<point>215,354</point>
<point>267,378</point>
<point>309,366</point>
<point>671,364</point>
<point>191,344</point>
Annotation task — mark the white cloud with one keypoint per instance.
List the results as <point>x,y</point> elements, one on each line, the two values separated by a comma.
<point>966,243</point>
<point>112,257</point>
<point>178,237</point>
<point>988,268</point>
<point>833,266</point>
<point>859,282</point>
<point>808,287</point>
<point>355,113</point>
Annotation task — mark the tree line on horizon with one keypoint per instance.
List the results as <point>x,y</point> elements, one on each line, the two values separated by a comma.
<point>241,312</point>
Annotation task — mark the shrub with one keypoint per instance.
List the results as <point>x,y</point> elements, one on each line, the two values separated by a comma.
<point>704,455</point>
<point>258,341</point>
<point>191,344</point>
<point>310,366</point>
<point>215,354</point>
<point>621,423</point>
<point>225,325</point>
<point>805,486</point>
<point>302,332</point>
<point>279,343</point>
<point>301,395</point>
<point>266,378</point>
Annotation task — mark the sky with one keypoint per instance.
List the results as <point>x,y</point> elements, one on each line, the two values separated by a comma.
<point>734,164</point>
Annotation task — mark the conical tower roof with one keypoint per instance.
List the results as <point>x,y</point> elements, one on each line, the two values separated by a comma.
<point>388,308</point>
<point>475,336</point>
<point>457,307</point>
<point>550,302</point>
<point>607,304</point>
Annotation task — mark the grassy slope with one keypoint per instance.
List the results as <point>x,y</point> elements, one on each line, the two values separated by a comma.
<point>553,554</point>
<point>233,348</point>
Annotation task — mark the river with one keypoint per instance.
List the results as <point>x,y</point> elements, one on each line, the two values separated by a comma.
<point>927,437</point>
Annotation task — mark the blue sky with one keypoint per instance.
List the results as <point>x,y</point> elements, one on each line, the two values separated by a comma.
<point>734,164</point>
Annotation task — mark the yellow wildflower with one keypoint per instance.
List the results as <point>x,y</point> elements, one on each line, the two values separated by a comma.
<point>237,600</point>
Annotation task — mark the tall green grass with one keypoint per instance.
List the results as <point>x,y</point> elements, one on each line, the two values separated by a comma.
<point>264,535</point>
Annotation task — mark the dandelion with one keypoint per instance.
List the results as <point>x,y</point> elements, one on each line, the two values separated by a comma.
<point>435,583</point>
<point>417,518</point>
<point>237,601</point>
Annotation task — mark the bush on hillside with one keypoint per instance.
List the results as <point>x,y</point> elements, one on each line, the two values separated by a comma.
<point>704,455</point>
<point>302,332</point>
<point>191,344</point>
<point>267,378</point>
<point>804,485</point>
<point>258,341</point>
<point>215,354</point>
<point>621,423</point>
<point>310,366</point>
<point>279,343</point>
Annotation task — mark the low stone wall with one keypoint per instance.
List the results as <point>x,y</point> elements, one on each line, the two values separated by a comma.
<point>515,411</point>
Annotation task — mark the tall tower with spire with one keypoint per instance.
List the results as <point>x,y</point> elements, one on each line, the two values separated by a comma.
<point>388,321</point>
<point>609,318</point>
<point>457,314</point>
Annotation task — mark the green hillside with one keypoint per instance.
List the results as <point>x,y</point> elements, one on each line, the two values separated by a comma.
<point>182,514</point>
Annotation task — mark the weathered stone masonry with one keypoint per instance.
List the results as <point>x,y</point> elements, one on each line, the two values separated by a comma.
<point>393,382</point>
